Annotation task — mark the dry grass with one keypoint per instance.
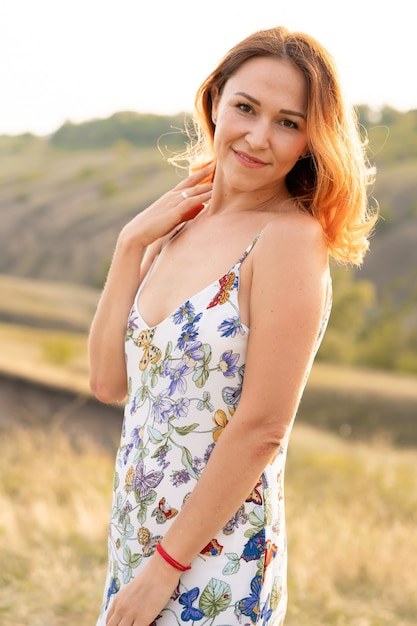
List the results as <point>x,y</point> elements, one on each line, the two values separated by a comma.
<point>47,304</point>
<point>55,505</point>
<point>352,518</point>
<point>351,511</point>
<point>56,358</point>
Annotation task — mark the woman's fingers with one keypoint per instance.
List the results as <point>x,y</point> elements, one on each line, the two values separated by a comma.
<point>196,178</point>
<point>199,192</point>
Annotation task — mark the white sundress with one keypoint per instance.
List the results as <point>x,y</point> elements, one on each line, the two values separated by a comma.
<point>185,379</point>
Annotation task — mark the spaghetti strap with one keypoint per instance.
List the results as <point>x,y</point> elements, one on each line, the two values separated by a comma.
<point>248,250</point>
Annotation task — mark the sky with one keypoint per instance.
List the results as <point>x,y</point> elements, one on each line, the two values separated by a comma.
<point>76,60</point>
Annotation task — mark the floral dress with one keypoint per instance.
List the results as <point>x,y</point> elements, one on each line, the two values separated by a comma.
<point>185,379</point>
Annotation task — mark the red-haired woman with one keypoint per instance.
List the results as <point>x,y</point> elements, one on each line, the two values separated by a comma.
<point>213,310</point>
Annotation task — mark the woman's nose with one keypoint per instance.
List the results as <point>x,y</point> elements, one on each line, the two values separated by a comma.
<point>259,135</point>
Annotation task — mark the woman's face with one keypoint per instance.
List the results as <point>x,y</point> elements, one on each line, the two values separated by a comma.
<point>261,127</point>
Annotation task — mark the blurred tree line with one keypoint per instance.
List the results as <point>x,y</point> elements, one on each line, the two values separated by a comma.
<point>392,134</point>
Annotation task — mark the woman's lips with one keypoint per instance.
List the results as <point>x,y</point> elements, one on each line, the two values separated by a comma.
<point>248,160</point>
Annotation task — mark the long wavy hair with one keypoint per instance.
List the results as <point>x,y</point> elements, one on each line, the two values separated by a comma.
<point>332,182</point>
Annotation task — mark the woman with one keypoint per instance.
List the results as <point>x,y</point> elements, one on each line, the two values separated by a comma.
<point>223,284</point>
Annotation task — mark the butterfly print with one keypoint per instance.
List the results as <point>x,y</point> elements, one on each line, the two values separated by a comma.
<point>250,606</point>
<point>163,512</point>
<point>256,494</point>
<point>231,395</point>
<point>226,285</point>
<point>240,517</point>
<point>270,552</point>
<point>151,354</point>
<point>112,590</point>
<point>150,546</point>
<point>144,483</point>
<point>213,548</point>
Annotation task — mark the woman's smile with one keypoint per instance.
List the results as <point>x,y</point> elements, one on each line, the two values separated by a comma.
<point>248,160</point>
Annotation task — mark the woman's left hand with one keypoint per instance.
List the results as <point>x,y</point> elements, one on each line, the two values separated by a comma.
<point>142,599</point>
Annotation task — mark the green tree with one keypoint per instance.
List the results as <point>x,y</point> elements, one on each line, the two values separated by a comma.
<point>353,303</point>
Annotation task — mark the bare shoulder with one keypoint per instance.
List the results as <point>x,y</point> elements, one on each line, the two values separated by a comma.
<point>292,240</point>
<point>300,227</point>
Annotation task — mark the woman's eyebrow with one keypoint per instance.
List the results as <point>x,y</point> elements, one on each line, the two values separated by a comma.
<point>255,101</point>
<point>246,95</point>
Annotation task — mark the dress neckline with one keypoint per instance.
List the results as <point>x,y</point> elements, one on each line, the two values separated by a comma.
<point>235,267</point>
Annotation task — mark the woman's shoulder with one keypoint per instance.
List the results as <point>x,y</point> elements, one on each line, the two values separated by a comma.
<point>292,231</point>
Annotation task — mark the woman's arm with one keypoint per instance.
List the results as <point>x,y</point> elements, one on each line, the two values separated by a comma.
<point>288,294</point>
<point>128,267</point>
<point>289,286</point>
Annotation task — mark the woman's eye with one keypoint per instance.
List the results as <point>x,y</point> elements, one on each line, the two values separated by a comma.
<point>289,124</point>
<point>245,108</point>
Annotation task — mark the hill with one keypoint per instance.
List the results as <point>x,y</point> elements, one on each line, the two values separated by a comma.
<point>64,198</point>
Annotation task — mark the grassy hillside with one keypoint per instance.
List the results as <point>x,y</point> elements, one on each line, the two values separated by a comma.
<point>62,209</point>
<point>355,403</point>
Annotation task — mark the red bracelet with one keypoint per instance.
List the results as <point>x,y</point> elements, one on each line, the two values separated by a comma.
<point>170,560</point>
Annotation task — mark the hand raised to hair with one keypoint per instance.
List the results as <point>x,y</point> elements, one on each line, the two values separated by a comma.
<point>180,204</point>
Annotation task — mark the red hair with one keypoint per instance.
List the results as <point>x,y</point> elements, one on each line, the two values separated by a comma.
<point>331,182</point>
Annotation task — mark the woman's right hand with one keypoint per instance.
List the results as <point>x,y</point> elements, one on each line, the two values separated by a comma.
<point>180,204</point>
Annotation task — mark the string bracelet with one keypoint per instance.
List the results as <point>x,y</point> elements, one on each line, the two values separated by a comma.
<point>170,560</point>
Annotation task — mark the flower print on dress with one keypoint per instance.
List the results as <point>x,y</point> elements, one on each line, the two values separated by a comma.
<point>190,333</point>
<point>161,408</point>
<point>221,421</point>
<point>127,451</point>
<point>180,477</point>
<point>198,465</point>
<point>180,407</point>
<point>131,326</point>
<point>136,435</point>
<point>177,409</point>
<point>112,590</point>
<point>183,313</point>
<point>161,454</point>
<point>228,362</point>
<point>230,327</point>
<point>178,381</point>
<point>193,353</point>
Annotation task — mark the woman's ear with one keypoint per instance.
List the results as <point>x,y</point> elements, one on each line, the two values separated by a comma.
<point>215,104</point>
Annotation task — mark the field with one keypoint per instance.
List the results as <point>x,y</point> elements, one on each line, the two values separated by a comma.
<point>351,511</point>
<point>351,493</point>
<point>351,486</point>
